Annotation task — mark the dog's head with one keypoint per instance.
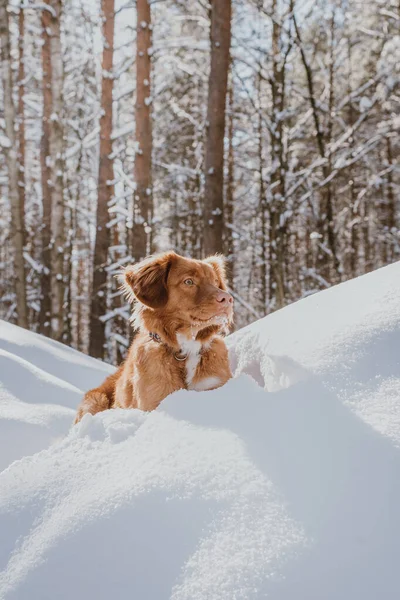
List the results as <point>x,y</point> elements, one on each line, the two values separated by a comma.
<point>190,292</point>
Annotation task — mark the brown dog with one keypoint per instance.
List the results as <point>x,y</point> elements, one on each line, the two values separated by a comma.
<point>181,309</point>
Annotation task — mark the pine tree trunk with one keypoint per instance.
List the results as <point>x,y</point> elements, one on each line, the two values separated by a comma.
<point>366,236</point>
<point>195,222</point>
<point>68,275</point>
<point>105,188</point>
<point>277,227</point>
<point>45,298</point>
<point>142,223</point>
<point>213,222</point>
<point>327,209</point>
<point>80,335</point>
<point>353,250</point>
<point>17,220</point>
<point>21,115</point>
<point>229,196</point>
<point>119,324</point>
<point>390,212</point>
<point>56,158</point>
<point>262,204</point>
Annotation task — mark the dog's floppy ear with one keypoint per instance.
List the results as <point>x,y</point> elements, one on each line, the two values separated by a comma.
<point>147,281</point>
<point>217,262</point>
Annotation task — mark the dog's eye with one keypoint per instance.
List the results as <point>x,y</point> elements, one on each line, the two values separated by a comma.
<point>188,282</point>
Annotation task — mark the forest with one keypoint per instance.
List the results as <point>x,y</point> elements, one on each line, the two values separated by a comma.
<point>265,130</point>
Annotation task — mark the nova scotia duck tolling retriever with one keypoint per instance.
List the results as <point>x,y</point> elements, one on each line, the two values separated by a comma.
<point>182,309</point>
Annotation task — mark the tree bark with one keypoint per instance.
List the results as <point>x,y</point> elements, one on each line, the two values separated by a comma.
<point>57,191</point>
<point>52,171</point>
<point>353,250</point>
<point>105,188</point>
<point>229,195</point>
<point>45,299</point>
<point>21,116</point>
<point>277,227</point>
<point>142,223</point>
<point>17,220</point>
<point>119,324</point>
<point>262,201</point>
<point>390,208</point>
<point>213,222</point>
<point>328,195</point>
<point>69,249</point>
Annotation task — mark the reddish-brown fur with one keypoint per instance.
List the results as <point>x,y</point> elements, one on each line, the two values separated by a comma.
<point>186,303</point>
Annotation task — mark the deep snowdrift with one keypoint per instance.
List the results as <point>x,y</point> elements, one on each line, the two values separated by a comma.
<point>285,483</point>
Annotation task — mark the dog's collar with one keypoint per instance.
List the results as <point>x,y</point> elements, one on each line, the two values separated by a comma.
<point>177,355</point>
<point>155,337</point>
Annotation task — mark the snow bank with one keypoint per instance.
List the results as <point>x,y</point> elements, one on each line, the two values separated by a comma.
<point>347,337</point>
<point>41,383</point>
<point>284,483</point>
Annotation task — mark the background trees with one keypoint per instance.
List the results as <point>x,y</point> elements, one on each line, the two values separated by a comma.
<point>213,206</point>
<point>267,130</point>
<point>105,188</point>
<point>143,199</point>
<point>10,145</point>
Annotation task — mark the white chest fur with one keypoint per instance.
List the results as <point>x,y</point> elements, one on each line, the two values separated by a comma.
<point>193,348</point>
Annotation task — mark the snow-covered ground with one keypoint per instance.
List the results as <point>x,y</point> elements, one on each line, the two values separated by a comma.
<point>285,483</point>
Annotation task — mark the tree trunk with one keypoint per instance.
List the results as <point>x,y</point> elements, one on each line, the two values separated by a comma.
<point>17,221</point>
<point>142,223</point>
<point>195,218</point>
<point>353,250</point>
<point>57,168</point>
<point>390,208</point>
<point>119,324</point>
<point>229,196</point>
<point>366,236</point>
<point>328,195</point>
<point>213,223</point>
<point>80,293</point>
<point>105,188</point>
<point>277,227</point>
<point>69,249</point>
<point>262,202</point>
<point>45,299</point>
<point>21,116</point>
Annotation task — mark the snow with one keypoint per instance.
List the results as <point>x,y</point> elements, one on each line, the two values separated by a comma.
<point>284,483</point>
<point>4,141</point>
<point>365,103</point>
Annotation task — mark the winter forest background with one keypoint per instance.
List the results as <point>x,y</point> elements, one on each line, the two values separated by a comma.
<point>265,130</point>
